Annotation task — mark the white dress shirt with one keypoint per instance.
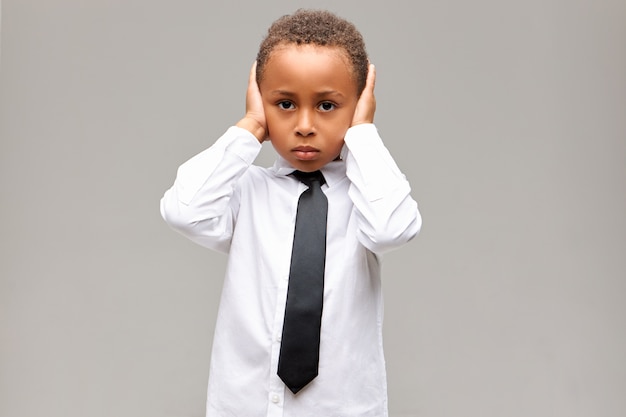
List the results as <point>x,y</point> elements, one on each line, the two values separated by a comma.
<point>221,201</point>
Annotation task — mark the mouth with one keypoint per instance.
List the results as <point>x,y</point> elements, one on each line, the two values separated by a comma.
<point>305,153</point>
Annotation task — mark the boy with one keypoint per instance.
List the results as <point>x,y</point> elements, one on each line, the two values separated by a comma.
<point>311,93</point>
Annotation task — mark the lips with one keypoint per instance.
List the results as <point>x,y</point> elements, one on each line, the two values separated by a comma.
<point>305,153</point>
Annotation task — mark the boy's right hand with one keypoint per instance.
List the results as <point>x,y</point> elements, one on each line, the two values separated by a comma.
<point>254,120</point>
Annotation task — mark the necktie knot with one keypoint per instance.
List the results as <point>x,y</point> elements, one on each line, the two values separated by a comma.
<point>309,177</point>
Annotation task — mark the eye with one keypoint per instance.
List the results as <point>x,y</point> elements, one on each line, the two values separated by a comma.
<point>326,106</point>
<point>286,105</point>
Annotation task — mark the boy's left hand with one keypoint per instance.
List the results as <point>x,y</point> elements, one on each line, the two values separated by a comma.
<point>366,106</point>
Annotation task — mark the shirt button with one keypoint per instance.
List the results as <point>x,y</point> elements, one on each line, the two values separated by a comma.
<point>275,398</point>
<point>279,338</point>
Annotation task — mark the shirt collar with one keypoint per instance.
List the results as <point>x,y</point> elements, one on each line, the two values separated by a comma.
<point>333,172</point>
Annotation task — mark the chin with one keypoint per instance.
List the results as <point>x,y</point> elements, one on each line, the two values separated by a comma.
<point>304,167</point>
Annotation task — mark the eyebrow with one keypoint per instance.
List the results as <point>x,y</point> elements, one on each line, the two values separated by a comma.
<point>324,93</point>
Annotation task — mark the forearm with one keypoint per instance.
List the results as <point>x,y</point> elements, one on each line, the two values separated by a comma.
<point>198,203</point>
<point>387,214</point>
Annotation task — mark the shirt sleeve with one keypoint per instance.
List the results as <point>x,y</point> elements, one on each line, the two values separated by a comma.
<point>200,203</point>
<point>387,214</point>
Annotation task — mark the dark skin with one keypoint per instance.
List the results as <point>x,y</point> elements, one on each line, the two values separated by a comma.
<point>306,101</point>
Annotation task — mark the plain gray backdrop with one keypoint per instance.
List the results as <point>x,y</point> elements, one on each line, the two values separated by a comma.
<point>508,118</point>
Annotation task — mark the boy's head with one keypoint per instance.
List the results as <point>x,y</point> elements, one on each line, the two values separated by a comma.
<point>311,71</point>
<point>316,27</point>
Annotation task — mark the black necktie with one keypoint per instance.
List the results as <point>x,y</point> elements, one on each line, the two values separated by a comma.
<point>299,350</point>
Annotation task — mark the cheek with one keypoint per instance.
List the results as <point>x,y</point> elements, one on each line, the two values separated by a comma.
<point>345,115</point>
<point>339,124</point>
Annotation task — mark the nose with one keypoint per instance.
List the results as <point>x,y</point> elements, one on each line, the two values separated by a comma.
<point>305,125</point>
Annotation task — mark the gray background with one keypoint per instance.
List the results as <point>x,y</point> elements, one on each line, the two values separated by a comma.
<point>508,118</point>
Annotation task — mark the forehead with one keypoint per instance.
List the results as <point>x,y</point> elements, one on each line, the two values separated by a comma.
<point>310,65</point>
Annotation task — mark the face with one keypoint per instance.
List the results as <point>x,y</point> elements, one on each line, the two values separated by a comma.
<point>309,96</point>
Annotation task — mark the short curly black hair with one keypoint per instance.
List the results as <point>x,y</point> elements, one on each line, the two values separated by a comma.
<point>317,27</point>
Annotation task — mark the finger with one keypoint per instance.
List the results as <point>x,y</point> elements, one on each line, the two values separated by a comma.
<point>253,93</point>
<point>252,77</point>
<point>370,82</point>
<point>253,72</point>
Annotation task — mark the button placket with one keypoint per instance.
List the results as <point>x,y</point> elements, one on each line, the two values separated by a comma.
<point>277,388</point>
